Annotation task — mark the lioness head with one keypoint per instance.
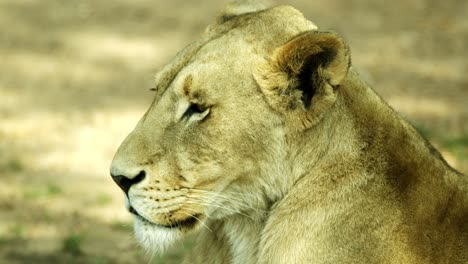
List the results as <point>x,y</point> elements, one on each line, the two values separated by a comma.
<point>215,141</point>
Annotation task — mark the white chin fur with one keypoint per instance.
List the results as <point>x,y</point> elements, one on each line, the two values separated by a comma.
<point>155,239</point>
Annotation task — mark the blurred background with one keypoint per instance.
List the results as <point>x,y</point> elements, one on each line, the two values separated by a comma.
<point>75,79</point>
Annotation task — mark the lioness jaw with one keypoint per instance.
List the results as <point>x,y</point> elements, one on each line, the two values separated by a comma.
<point>265,143</point>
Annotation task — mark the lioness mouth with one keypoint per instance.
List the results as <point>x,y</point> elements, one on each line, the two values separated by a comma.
<point>186,223</point>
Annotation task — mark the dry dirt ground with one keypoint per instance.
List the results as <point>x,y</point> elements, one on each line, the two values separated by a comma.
<point>74,79</point>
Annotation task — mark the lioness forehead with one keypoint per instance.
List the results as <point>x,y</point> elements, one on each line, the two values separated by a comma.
<point>250,36</point>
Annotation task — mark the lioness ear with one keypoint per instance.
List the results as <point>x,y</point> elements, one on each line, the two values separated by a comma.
<point>301,77</point>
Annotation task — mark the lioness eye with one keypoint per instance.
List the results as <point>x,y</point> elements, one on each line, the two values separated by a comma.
<point>195,109</point>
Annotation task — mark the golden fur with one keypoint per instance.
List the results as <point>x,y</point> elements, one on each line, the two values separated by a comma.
<point>264,132</point>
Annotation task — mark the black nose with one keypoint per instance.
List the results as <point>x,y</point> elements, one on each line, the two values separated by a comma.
<point>125,183</point>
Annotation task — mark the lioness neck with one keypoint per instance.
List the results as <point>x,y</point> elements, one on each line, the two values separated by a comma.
<point>363,148</point>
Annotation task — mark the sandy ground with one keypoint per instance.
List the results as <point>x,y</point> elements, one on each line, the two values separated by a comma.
<point>74,79</point>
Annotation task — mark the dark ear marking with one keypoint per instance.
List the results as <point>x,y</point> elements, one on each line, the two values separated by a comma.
<point>309,79</point>
<point>308,82</point>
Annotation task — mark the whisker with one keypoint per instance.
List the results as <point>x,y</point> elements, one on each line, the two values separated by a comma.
<point>152,257</point>
<point>223,194</point>
<point>198,221</point>
<point>204,203</point>
<point>231,199</point>
<point>221,206</point>
<point>211,204</point>
<point>195,211</point>
<point>234,199</point>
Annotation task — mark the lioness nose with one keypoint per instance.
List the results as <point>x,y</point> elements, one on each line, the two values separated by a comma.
<point>125,182</point>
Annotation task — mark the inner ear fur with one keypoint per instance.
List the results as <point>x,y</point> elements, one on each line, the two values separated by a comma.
<point>301,77</point>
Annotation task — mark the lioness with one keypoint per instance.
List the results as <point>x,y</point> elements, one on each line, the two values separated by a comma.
<point>264,142</point>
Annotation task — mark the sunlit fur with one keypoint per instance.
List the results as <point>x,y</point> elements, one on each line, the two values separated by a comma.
<point>287,157</point>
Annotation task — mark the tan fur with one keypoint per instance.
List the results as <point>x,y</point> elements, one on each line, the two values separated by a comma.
<point>288,156</point>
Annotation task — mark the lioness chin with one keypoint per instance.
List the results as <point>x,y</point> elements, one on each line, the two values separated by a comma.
<point>264,142</point>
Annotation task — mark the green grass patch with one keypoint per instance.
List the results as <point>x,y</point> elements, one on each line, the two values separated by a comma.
<point>4,241</point>
<point>14,165</point>
<point>72,244</point>
<point>53,189</point>
<point>122,226</point>
<point>458,146</point>
<point>45,216</point>
<point>100,260</point>
<point>17,231</point>
<point>423,130</point>
<point>460,142</point>
<point>46,191</point>
<point>104,199</point>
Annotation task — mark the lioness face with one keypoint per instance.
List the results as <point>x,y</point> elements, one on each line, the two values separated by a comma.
<point>213,144</point>
<point>201,144</point>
